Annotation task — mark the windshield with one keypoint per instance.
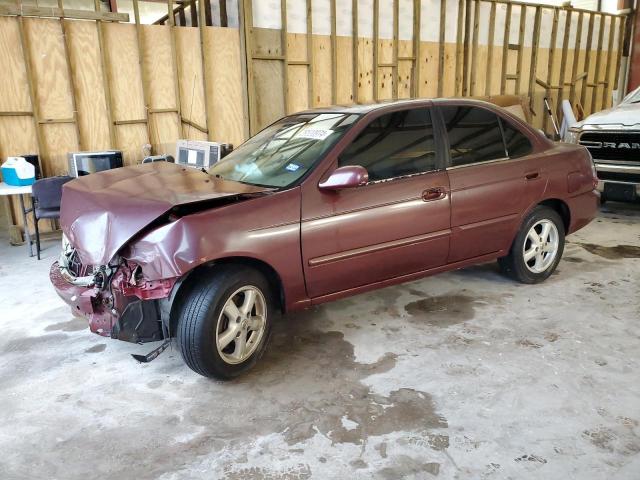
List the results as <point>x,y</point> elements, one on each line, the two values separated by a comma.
<point>633,97</point>
<point>284,152</point>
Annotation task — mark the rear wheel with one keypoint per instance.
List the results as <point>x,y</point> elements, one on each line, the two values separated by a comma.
<point>537,248</point>
<point>225,322</point>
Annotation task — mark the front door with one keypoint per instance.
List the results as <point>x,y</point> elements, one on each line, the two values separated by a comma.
<point>395,225</point>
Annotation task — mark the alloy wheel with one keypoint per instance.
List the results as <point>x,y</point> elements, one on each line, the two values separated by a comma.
<point>541,246</point>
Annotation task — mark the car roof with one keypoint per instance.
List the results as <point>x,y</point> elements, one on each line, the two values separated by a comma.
<point>361,109</point>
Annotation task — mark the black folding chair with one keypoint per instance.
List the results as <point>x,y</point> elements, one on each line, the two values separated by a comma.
<point>46,196</point>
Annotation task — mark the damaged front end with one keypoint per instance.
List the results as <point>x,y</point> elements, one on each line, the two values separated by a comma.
<point>115,298</point>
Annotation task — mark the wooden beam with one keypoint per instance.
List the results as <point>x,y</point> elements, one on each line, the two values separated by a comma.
<point>606,91</point>
<point>474,50</point>
<point>334,54</point>
<point>492,30</point>
<point>552,51</point>
<point>376,20</point>
<point>396,40</point>
<point>206,6</point>
<point>283,42</point>
<point>144,81</point>
<point>417,58</point>
<point>594,92</point>
<point>623,28</point>
<point>72,87</point>
<point>175,64</point>
<point>203,57</point>
<point>310,56</point>
<point>587,61</point>
<point>106,82</point>
<point>354,49</point>
<point>465,52</point>
<point>459,48</point>
<point>520,58</point>
<point>534,53</point>
<point>224,17</point>
<point>245,61</point>
<point>563,64</point>
<point>195,125</point>
<point>57,12</point>
<point>505,50</point>
<point>441,44</point>
<point>576,59</point>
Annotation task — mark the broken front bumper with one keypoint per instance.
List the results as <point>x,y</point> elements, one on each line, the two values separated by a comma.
<point>110,312</point>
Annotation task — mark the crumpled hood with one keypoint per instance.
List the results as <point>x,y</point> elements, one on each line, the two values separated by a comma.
<point>627,114</point>
<point>103,211</point>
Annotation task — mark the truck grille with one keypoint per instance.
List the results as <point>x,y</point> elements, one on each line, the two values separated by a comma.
<point>615,146</point>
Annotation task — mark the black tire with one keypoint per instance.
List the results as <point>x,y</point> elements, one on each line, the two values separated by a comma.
<point>514,264</point>
<point>200,318</point>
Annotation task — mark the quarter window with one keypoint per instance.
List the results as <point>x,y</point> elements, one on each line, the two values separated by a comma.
<point>394,145</point>
<point>516,142</point>
<point>474,135</point>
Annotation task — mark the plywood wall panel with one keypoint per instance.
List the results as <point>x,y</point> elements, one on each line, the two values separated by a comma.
<point>158,65</point>
<point>322,76</point>
<point>269,92</point>
<point>224,87</point>
<point>191,79</point>
<point>91,103</point>
<point>60,139</point>
<point>344,86</point>
<point>130,140</point>
<point>14,94</point>
<point>365,70</point>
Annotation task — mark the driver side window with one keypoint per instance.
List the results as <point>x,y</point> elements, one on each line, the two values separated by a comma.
<point>394,145</point>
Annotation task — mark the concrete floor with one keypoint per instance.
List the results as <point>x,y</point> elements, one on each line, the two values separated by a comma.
<point>463,375</point>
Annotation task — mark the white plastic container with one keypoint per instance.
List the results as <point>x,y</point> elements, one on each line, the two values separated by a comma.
<point>16,171</point>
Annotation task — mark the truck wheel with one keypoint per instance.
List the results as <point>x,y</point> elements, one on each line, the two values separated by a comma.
<point>537,248</point>
<point>225,322</point>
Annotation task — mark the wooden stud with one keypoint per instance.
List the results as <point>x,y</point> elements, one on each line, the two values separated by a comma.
<point>534,53</point>
<point>396,40</point>
<point>334,54</point>
<point>283,42</point>
<point>492,29</point>
<point>310,56</point>
<point>57,12</point>
<point>203,56</point>
<point>623,31</point>
<point>247,16</point>
<point>465,52</point>
<point>35,113</point>
<point>417,59</point>
<point>175,67</point>
<point>245,61</point>
<point>376,19</point>
<point>143,77</point>
<point>354,47</point>
<point>606,90</point>
<point>441,45</point>
<point>552,51</point>
<point>505,49</point>
<point>459,48</point>
<point>594,92</point>
<point>520,58</point>
<point>576,59</point>
<point>474,51</point>
<point>106,82</point>
<point>563,63</point>
<point>208,21</point>
<point>72,87</point>
<point>193,11</point>
<point>587,61</point>
<point>224,18</point>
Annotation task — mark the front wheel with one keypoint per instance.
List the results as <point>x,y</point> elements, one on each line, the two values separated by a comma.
<point>225,322</point>
<point>537,248</point>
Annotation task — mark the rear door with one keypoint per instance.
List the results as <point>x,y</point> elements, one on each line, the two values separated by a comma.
<point>488,184</point>
<point>395,225</point>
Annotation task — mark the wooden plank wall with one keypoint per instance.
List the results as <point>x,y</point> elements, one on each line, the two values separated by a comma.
<point>511,59</point>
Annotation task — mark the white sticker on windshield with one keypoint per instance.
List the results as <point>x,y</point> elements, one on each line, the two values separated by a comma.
<point>315,133</point>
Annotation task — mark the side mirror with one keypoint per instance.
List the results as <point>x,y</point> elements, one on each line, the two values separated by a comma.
<point>350,176</point>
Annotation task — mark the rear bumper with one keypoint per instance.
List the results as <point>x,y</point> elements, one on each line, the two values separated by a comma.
<point>583,208</point>
<point>110,314</point>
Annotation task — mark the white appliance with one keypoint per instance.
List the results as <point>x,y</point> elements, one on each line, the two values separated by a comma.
<point>198,153</point>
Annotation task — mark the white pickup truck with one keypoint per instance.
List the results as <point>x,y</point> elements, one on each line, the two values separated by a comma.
<point>613,138</point>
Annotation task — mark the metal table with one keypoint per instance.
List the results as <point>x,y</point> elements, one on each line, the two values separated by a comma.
<point>8,190</point>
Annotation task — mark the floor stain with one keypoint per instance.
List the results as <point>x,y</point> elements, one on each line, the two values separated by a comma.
<point>442,310</point>
<point>26,344</point>
<point>96,348</point>
<point>73,325</point>
<point>612,253</point>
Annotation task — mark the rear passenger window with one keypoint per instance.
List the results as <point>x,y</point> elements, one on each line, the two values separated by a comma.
<point>474,135</point>
<point>394,145</point>
<point>516,142</point>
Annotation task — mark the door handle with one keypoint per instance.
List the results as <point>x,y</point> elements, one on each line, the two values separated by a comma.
<point>431,194</point>
<point>532,175</point>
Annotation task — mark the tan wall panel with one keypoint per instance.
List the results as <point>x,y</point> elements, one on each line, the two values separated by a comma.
<point>60,139</point>
<point>298,97</point>
<point>344,86</point>
<point>365,70</point>
<point>191,79</point>
<point>158,61</point>
<point>269,92</point>
<point>86,65</point>
<point>322,76</point>
<point>130,140</point>
<point>224,87</point>
<point>14,94</point>
<point>428,65</point>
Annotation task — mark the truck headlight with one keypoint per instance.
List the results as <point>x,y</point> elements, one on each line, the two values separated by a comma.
<point>571,136</point>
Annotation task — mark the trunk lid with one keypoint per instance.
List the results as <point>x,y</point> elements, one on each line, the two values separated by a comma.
<point>103,211</point>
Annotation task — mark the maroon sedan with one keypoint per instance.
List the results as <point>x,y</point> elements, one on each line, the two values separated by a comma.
<point>318,206</point>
